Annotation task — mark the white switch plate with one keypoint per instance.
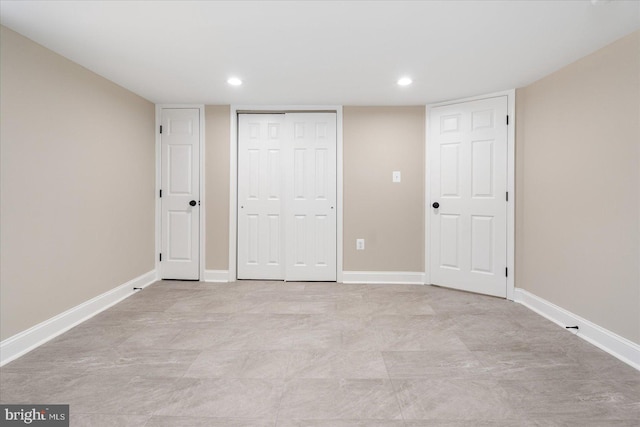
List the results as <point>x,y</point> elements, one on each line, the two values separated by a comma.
<point>396,176</point>
<point>360,244</point>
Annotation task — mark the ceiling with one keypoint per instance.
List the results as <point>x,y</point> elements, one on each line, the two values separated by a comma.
<point>321,52</point>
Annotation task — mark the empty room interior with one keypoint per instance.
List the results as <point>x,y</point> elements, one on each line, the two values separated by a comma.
<point>320,213</point>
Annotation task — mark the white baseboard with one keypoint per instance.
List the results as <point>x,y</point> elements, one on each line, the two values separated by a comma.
<point>25,341</point>
<point>384,277</point>
<point>220,276</point>
<point>622,348</point>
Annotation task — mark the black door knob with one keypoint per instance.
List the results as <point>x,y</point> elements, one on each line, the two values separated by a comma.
<point>436,205</point>
<point>192,203</point>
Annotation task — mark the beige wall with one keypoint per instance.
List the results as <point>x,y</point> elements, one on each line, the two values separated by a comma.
<point>578,187</point>
<point>77,184</point>
<point>389,216</point>
<point>217,122</point>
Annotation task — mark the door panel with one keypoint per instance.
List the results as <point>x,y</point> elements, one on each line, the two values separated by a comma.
<point>482,235</point>
<point>450,247</point>
<point>450,170</point>
<point>482,169</point>
<point>468,173</point>
<point>180,150</point>
<point>179,236</point>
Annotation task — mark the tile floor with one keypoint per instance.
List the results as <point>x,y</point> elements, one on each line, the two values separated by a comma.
<point>258,354</point>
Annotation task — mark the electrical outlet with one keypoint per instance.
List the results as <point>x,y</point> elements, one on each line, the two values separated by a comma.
<point>396,176</point>
<point>360,244</point>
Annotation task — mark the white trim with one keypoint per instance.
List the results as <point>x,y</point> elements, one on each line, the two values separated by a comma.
<point>218,276</point>
<point>384,277</point>
<point>25,341</point>
<point>339,195</point>
<point>158,213</point>
<point>427,199</point>
<point>233,178</point>
<point>201,197</point>
<point>511,187</point>
<point>619,347</point>
<point>233,194</point>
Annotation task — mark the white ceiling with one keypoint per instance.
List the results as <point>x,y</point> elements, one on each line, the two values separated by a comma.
<point>321,52</point>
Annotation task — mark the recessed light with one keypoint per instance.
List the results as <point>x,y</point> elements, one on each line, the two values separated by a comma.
<point>234,81</point>
<point>404,81</point>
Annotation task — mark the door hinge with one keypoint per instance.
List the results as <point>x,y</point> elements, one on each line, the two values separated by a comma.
<point>161,128</point>
<point>161,257</point>
<point>506,272</point>
<point>507,122</point>
<point>161,193</point>
<point>506,195</point>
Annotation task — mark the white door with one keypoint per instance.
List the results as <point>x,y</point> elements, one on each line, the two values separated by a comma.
<point>468,206</point>
<point>310,206</point>
<point>180,194</point>
<point>287,196</point>
<point>261,139</point>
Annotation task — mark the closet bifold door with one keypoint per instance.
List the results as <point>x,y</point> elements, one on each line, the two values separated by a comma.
<point>261,146</point>
<point>310,205</point>
<point>287,196</point>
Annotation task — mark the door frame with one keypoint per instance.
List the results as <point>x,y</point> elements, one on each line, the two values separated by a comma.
<point>158,206</point>
<point>233,174</point>
<point>511,160</point>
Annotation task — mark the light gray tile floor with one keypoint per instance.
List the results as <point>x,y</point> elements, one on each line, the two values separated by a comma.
<point>273,354</point>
